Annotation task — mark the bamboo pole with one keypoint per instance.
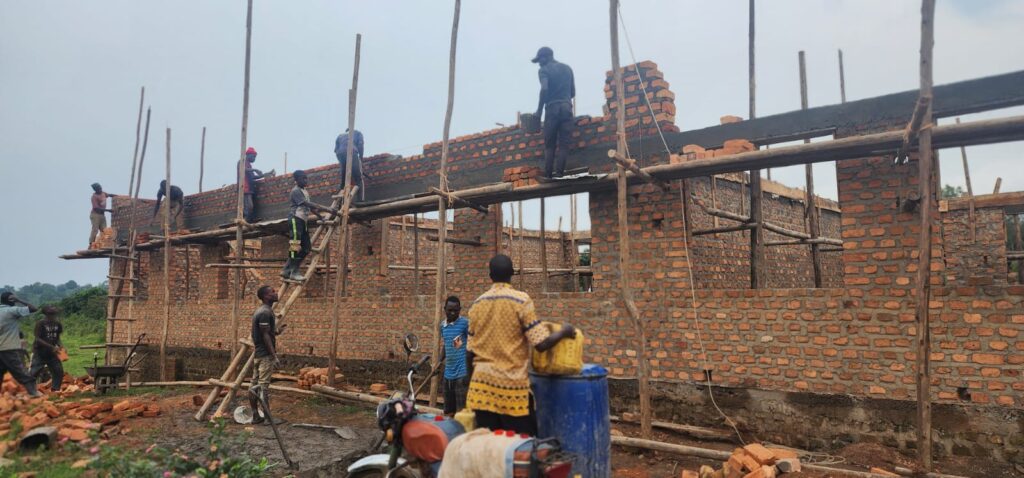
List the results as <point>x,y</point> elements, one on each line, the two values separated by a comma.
<point>970,191</point>
<point>999,183</point>
<point>543,248</point>
<point>202,156</point>
<point>285,163</point>
<point>240,202</point>
<point>842,78</point>
<point>624,252</point>
<point>343,231</point>
<point>385,228</point>
<point>574,255</point>
<point>811,205</point>
<point>923,286</point>
<point>757,273</point>
<point>167,265</point>
<point>442,215</point>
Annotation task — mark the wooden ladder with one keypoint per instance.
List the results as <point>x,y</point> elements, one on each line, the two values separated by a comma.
<point>290,289</point>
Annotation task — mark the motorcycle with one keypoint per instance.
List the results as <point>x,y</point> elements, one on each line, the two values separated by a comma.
<point>417,441</point>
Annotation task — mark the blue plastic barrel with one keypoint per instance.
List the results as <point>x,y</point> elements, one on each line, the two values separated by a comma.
<point>574,409</point>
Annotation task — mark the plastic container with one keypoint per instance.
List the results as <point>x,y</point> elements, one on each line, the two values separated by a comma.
<point>565,358</point>
<point>467,418</point>
<point>574,409</point>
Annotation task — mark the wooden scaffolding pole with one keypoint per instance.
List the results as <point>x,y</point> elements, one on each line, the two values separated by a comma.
<point>999,184</point>
<point>416,253</point>
<point>543,248</point>
<point>811,205</point>
<point>202,156</point>
<point>239,216</point>
<point>442,214</point>
<point>757,273</point>
<point>842,78</point>
<point>522,246</point>
<point>167,266</point>
<point>923,285</point>
<point>643,376</point>
<point>574,250</point>
<point>970,191</point>
<point>343,232</point>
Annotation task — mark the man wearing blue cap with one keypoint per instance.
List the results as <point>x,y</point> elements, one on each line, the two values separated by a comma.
<point>557,90</point>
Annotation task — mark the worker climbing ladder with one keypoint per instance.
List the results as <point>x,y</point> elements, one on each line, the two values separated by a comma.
<point>233,376</point>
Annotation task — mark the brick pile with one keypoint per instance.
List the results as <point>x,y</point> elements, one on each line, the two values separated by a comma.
<point>104,240</point>
<point>310,376</point>
<point>752,461</point>
<point>73,416</point>
<point>521,176</point>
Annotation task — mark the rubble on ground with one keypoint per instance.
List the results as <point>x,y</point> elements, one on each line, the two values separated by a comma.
<point>77,418</point>
<point>310,376</point>
<point>752,461</point>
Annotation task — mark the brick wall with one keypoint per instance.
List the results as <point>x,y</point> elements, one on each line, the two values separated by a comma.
<point>854,337</point>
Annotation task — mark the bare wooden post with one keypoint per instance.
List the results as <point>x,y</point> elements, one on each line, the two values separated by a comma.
<point>643,375</point>
<point>416,253</point>
<point>999,183</point>
<point>285,162</point>
<point>574,256</point>
<point>343,231</point>
<point>167,265</point>
<point>496,212</point>
<point>842,78</point>
<point>923,286</point>
<point>522,246</point>
<point>970,191</point>
<point>385,228</point>
<point>543,249</point>
<point>757,273</point>
<point>442,213</point>
<point>239,216</point>
<point>202,157</point>
<point>811,207</point>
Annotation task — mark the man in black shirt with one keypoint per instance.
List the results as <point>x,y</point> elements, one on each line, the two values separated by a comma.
<point>298,225</point>
<point>176,202</point>
<point>557,90</point>
<point>46,347</point>
<point>264,340</point>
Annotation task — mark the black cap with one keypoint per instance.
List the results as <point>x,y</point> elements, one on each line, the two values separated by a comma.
<point>543,52</point>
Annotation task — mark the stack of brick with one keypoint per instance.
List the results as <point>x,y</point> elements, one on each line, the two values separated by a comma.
<point>105,239</point>
<point>521,176</point>
<point>310,376</point>
<point>692,152</point>
<point>752,461</point>
<point>662,100</point>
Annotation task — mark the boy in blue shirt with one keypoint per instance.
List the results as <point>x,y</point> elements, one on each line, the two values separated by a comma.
<point>455,333</point>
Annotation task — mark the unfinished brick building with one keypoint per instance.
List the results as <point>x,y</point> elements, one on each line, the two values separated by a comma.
<point>806,366</point>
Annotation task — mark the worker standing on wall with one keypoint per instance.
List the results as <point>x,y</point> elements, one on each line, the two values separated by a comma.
<point>98,214</point>
<point>557,90</point>
<point>502,326</point>
<point>341,152</point>
<point>249,185</point>
<point>265,359</point>
<point>176,202</point>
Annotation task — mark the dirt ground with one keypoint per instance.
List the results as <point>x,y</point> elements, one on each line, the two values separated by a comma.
<point>322,453</point>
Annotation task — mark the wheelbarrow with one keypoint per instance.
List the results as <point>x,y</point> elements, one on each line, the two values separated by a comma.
<point>109,376</point>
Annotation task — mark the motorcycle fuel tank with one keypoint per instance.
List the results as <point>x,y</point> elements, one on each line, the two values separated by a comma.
<point>426,436</point>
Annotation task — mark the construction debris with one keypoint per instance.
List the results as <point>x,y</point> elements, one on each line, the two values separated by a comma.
<point>752,461</point>
<point>105,240</point>
<point>74,418</point>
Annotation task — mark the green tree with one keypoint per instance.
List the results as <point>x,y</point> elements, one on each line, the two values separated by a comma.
<point>948,191</point>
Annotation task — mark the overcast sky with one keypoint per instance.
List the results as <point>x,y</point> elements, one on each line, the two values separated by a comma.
<point>70,73</point>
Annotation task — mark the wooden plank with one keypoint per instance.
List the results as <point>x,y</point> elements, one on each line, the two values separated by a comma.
<point>643,375</point>
<point>1012,201</point>
<point>455,240</point>
<point>923,284</point>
